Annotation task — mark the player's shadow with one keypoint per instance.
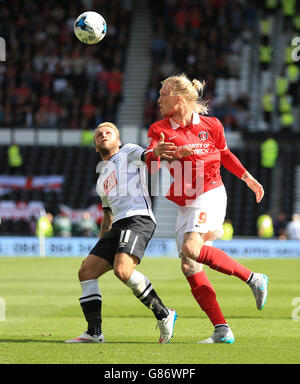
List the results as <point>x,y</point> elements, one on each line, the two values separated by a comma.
<point>21,341</point>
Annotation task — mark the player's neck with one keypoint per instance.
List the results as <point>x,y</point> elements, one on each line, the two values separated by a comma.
<point>183,119</point>
<point>107,154</point>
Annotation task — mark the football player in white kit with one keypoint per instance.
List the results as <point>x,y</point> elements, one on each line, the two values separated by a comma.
<point>127,226</point>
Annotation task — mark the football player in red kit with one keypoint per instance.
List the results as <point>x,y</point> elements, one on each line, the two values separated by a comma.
<point>195,144</point>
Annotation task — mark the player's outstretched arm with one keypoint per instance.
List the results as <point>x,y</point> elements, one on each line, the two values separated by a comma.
<point>106,222</point>
<point>253,184</point>
<point>163,149</point>
<point>158,150</point>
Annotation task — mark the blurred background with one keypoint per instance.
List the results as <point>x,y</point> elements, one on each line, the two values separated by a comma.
<point>54,91</point>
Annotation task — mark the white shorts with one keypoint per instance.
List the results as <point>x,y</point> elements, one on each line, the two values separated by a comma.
<point>207,214</point>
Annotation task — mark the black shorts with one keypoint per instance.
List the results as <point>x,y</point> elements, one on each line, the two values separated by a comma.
<point>130,235</point>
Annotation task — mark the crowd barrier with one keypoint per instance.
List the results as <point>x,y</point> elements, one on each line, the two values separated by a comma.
<point>157,247</point>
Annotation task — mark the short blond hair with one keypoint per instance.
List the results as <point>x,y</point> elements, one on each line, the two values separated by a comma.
<point>109,124</point>
<point>190,90</point>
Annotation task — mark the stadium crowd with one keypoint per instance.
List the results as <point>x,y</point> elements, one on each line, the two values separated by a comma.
<point>204,40</point>
<point>50,79</point>
<point>59,225</point>
<point>201,39</point>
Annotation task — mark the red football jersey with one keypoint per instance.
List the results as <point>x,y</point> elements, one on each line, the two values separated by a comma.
<point>205,136</point>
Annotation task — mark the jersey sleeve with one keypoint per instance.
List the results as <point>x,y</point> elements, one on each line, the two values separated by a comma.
<point>152,161</point>
<point>228,159</point>
<point>134,152</point>
<point>220,140</point>
<point>232,163</point>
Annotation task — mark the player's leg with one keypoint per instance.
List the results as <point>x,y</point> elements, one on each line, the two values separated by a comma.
<point>90,300</point>
<point>140,285</point>
<point>201,288</point>
<point>205,295</point>
<point>205,222</point>
<point>194,247</point>
<point>133,243</point>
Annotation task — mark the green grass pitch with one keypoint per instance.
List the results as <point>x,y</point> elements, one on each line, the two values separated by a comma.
<point>42,311</point>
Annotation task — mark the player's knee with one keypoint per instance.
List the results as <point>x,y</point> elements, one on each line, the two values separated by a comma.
<point>122,273</point>
<point>83,273</point>
<point>189,267</point>
<point>185,267</point>
<point>191,250</point>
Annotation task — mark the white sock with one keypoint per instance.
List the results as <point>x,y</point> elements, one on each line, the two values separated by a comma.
<point>139,284</point>
<point>91,304</point>
<point>89,290</point>
<point>143,290</point>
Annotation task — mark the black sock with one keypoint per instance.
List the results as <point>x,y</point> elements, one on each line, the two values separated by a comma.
<point>153,302</point>
<point>92,313</point>
<point>95,331</point>
<point>143,290</point>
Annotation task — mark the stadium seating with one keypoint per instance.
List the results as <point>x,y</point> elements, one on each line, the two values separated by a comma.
<point>76,164</point>
<point>205,40</point>
<point>52,79</point>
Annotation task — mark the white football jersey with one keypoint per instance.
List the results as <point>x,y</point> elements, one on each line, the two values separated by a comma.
<point>122,184</point>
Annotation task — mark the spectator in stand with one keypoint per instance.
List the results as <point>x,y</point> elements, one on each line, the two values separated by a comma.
<point>269,152</point>
<point>181,19</point>
<point>158,45</point>
<point>114,83</point>
<point>87,226</point>
<point>15,160</point>
<point>32,226</point>
<point>293,227</point>
<point>265,228</point>
<point>62,225</point>
<point>88,109</point>
<point>150,113</point>
<point>44,226</point>
<point>242,116</point>
<point>280,224</point>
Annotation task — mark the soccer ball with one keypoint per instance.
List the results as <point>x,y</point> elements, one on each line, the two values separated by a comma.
<point>90,27</point>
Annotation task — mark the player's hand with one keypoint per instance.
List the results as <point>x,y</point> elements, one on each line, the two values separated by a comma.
<point>182,152</point>
<point>164,150</point>
<point>253,184</point>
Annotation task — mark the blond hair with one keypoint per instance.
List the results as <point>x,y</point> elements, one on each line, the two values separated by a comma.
<point>109,124</point>
<point>190,90</point>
